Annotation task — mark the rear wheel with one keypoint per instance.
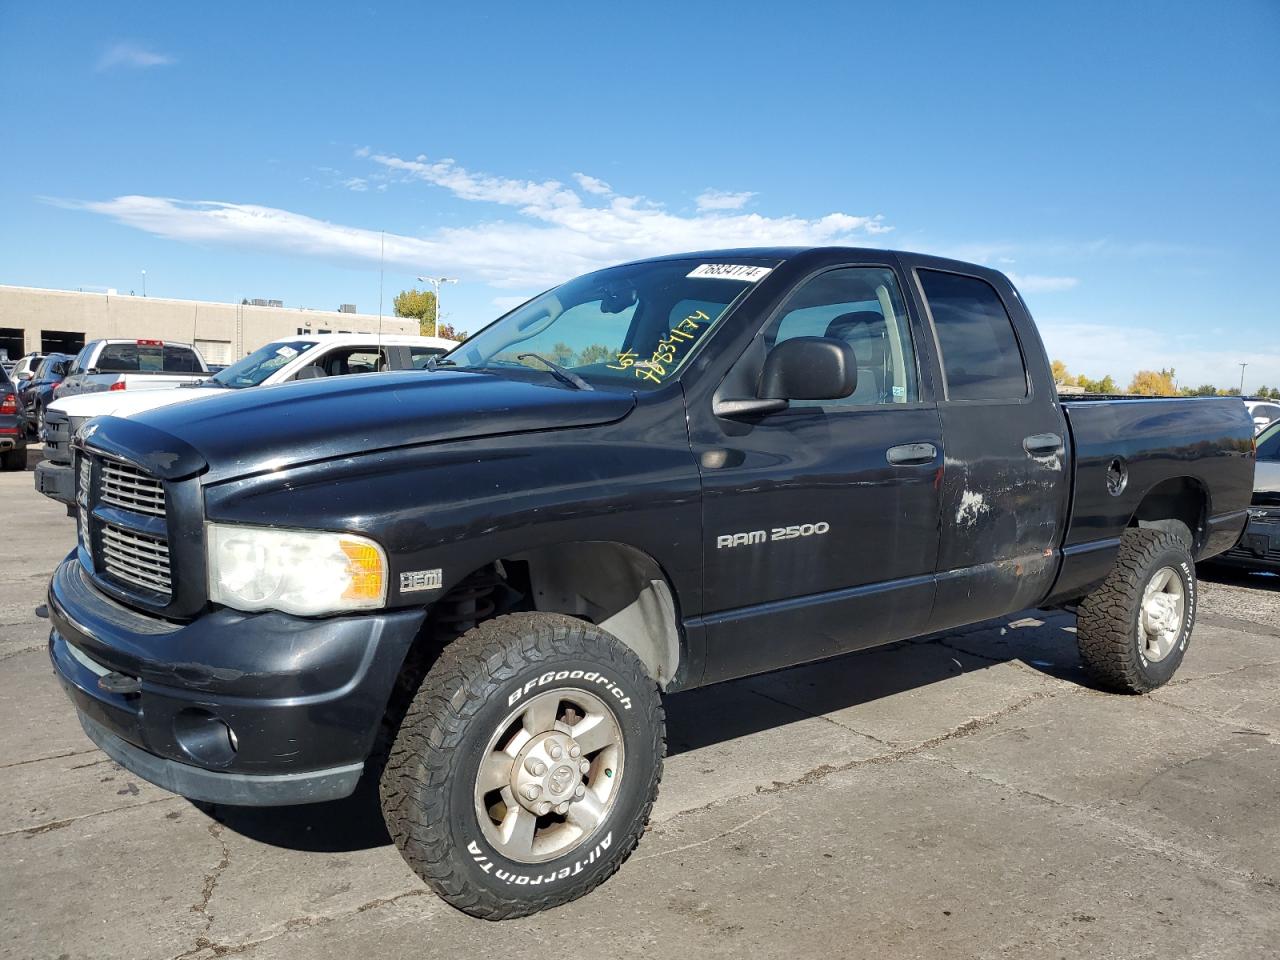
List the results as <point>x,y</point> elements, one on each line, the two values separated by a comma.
<point>1133,630</point>
<point>526,766</point>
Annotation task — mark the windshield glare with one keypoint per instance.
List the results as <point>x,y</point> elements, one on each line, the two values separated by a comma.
<point>633,326</point>
<point>250,371</point>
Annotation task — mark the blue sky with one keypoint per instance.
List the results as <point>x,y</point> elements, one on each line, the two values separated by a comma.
<point>1119,159</point>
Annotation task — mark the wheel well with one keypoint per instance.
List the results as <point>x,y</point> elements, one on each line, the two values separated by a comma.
<point>618,588</point>
<point>1174,504</point>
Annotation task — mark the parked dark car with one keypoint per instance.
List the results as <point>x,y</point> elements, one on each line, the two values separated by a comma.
<point>35,394</point>
<point>472,583</point>
<point>1259,548</point>
<point>13,436</point>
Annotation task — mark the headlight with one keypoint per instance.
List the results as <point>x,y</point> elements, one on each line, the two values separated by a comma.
<point>295,571</point>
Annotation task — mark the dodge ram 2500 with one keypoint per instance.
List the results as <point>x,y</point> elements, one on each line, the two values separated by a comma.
<point>471,585</point>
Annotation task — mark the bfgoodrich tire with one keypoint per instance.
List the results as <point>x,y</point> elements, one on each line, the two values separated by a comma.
<point>524,771</point>
<point>1133,630</point>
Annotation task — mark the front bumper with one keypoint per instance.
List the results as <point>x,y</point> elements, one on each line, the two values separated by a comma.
<point>253,709</point>
<point>54,480</point>
<point>1259,545</point>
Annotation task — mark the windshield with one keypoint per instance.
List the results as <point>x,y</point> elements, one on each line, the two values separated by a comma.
<point>262,363</point>
<point>633,326</point>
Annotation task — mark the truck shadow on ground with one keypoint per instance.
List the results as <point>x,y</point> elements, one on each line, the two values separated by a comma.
<point>1043,642</point>
<point>1239,577</point>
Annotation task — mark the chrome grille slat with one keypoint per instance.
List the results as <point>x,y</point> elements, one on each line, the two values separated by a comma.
<point>124,485</point>
<point>134,558</point>
<point>126,556</point>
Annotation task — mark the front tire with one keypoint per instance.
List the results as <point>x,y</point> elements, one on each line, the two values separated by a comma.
<point>1133,630</point>
<point>524,771</point>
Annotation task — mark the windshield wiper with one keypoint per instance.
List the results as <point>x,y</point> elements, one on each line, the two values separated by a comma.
<point>559,372</point>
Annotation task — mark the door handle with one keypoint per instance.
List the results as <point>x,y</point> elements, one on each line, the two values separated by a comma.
<point>906,454</point>
<point>1042,444</point>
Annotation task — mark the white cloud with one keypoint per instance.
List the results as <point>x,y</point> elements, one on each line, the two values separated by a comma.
<point>593,185</point>
<point>558,233</point>
<point>723,199</point>
<point>504,304</point>
<point>1035,283</point>
<point>358,184</point>
<point>132,55</point>
<point>1098,349</point>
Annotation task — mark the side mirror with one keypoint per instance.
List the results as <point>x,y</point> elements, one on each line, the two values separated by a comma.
<point>802,368</point>
<point>25,375</point>
<point>809,368</point>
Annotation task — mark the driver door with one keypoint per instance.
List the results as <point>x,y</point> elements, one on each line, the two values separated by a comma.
<point>821,521</point>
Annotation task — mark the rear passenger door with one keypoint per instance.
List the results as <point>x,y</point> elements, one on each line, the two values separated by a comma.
<point>1005,484</point>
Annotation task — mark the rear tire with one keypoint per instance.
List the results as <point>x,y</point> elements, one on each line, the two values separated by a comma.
<point>1133,630</point>
<point>487,791</point>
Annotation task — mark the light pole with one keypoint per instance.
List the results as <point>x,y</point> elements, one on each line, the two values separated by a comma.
<point>144,283</point>
<point>435,283</point>
<point>1242,366</point>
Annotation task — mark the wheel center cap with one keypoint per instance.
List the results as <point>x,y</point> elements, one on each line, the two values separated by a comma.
<point>1160,613</point>
<point>547,775</point>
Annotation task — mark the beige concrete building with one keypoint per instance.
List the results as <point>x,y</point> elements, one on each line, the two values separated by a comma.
<point>32,319</point>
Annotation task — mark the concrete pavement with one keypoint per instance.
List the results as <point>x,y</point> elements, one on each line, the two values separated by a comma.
<point>961,796</point>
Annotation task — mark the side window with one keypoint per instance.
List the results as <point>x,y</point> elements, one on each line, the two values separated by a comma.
<point>77,365</point>
<point>980,355</point>
<point>1269,444</point>
<point>346,360</point>
<point>421,356</point>
<point>862,306</point>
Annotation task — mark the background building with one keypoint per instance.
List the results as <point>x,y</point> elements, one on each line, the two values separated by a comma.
<point>32,319</point>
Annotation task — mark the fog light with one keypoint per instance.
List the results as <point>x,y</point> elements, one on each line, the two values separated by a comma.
<point>206,739</point>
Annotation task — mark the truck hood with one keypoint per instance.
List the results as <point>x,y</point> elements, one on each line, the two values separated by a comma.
<point>237,433</point>
<point>125,403</point>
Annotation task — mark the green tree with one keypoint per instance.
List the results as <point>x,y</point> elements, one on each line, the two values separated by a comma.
<point>420,304</point>
<point>563,354</point>
<point>1204,390</point>
<point>1153,383</point>
<point>1060,374</point>
<point>595,353</point>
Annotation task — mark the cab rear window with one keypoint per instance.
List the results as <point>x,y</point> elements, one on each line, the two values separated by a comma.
<point>147,358</point>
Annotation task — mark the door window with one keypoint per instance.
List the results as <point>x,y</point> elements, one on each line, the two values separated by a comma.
<point>420,357</point>
<point>862,306</point>
<point>980,355</point>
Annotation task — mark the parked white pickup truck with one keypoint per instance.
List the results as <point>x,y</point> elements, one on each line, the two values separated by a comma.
<point>302,357</point>
<point>105,365</point>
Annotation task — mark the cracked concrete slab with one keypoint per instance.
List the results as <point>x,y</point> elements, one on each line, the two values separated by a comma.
<point>965,795</point>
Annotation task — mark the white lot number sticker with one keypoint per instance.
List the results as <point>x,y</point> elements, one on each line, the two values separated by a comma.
<point>286,352</point>
<point>731,271</point>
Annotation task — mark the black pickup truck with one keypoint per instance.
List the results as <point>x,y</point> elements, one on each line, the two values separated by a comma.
<point>471,584</point>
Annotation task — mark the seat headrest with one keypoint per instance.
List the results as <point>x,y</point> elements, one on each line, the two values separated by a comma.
<point>845,326</point>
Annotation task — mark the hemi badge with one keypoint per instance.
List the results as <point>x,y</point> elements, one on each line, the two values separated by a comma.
<point>411,581</point>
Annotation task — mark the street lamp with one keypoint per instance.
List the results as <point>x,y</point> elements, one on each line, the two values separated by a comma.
<point>144,283</point>
<point>435,283</point>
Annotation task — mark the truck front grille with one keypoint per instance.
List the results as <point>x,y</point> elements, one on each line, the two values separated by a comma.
<point>136,559</point>
<point>124,485</point>
<point>121,508</point>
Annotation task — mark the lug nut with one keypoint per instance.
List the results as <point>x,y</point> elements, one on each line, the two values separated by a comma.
<point>575,751</point>
<point>580,792</point>
<point>584,765</point>
<point>532,791</point>
<point>536,767</point>
<point>556,752</point>
<point>544,808</point>
<point>563,808</point>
